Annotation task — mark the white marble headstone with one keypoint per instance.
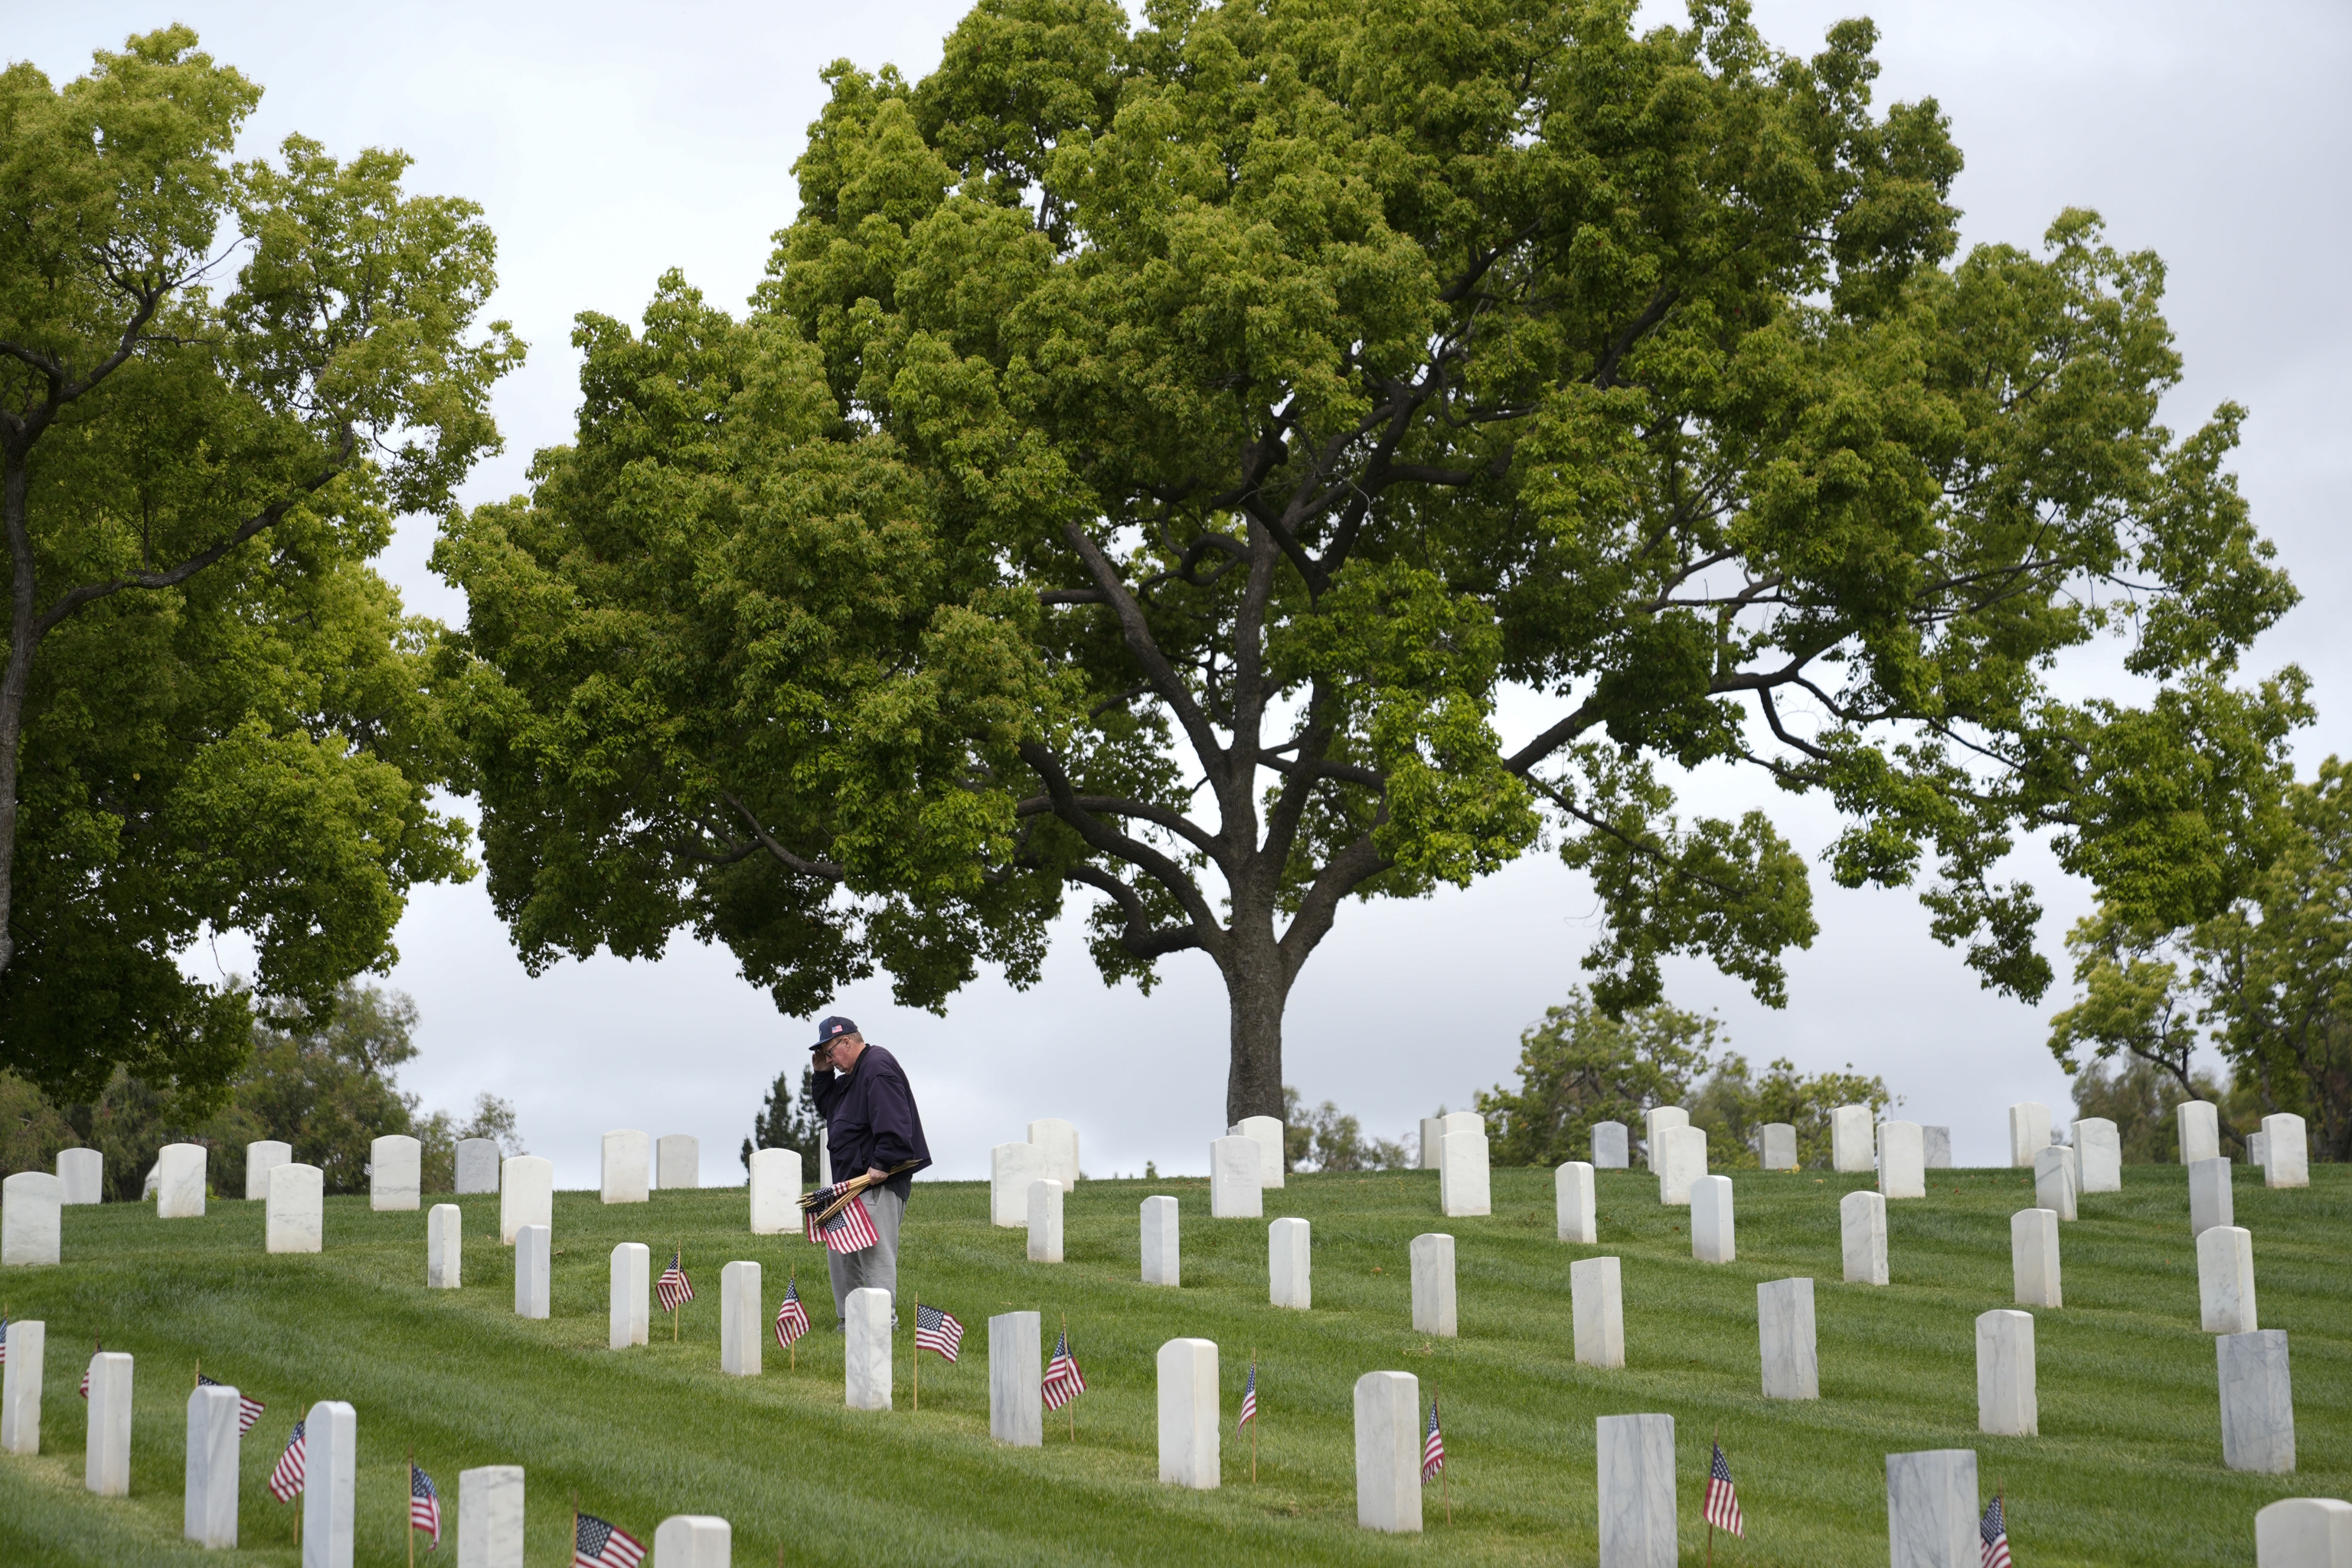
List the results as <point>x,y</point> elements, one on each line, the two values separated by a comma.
<point>1596,1294</point>
<point>1234,1192</point>
<point>477,1165</point>
<point>2304,1532</point>
<point>1635,1461</point>
<point>1163,1252</point>
<point>445,1252</point>
<point>331,1437</point>
<point>1016,1410</point>
<point>2028,1133</point>
<point>742,1322</point>
<point>526,1194</point>
<point>2225,1280</point>
<point>2006,1406</point>
<point>824,1159</point>
<point>1862,1235</point>
<point>1190,1426</point>
<point>2033,1257</point>
<point>490,1516</point>
<point>534,1261</point>
<point>630,1311</point>
<point>693,1541</point>
<point>1464,1121</point>
<point>1012,1167</point>
<point>2099,1150</point>
<point>1574,1202</point>
<point>1432,1129</point>
<point>106,1453</point>
<point>677,1160</point>
<point>1432,1285</point>
<point>1784,1336</point>
<point>294,1217</point>
<point>1388,1451</point>
<point>1936,1147</point>
<point>2199,1122</point>
<point>867,1355</point>
<point>1059,1139</point>
<point>2258,1148</point>
<point>1852,1147</point>
<point>2257,1402</point>
<point>1902,1160</point>
<point>1679,1158</point>
<point>625,1172</point>
<point>1780,1146</point>
<point>261,1157</point>
<point>1045,1221</point>
<point>1271,1158</point>
<point>1289,1264</point>
<point>208,1506</point>
<point>20,1385</point>
<point>1712,1240</point>
<point>81,1172</point>
<point>2209,1195</point>
<point>180,1181</point>
<point>2053,1182</point>
<point>32,1229</point>
<point>1463,1179</point>
<point>2286,1150</point>
<point>1931,1509</point>
<point>1654,1123</point>
<point>775,1191</point>
<point>395,1173</point>
<point>1609,1140</point>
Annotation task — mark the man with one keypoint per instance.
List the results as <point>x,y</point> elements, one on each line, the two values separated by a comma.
<point>871,1125</point>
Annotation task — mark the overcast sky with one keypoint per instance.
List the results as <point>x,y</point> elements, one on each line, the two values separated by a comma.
<point>608,142</point>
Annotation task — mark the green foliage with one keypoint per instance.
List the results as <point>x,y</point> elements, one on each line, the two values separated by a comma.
<point>1323,1138</point>
<point>781,1124</point>
<point>1581,1066</point>
<point>215,715</point>
<point>1734,1107</point>
<point>2138,1097</point>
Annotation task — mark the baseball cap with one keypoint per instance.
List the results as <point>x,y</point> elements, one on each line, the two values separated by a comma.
<point>836,1026</point>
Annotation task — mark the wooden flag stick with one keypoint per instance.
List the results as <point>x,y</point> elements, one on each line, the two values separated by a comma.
<point>200,1373</point>
<point>919,1353</point>
<point>1710,1482</point>
<point>1071,1404</point>
<point>575,1524</point>
<point>1252,1418</point>
<point>409,1528</point>
<point>674,1311</point>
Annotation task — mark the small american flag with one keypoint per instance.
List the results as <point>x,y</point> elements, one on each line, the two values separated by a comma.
<point>600,1544</point>
<point>1994,1529</point>
<point>248,1409</point>
<point>1249,1400</point>
<point>851,1230</point>
<point>675,1289</point>
<point>286,1480</point>
<point>1722,1503</point>
<point>424,1504</point>
<point>4,1339</point>
<point>1433,1446</point>
<point>936,1330</point>
<point>1063,1381</point>
<point>792,1318</point>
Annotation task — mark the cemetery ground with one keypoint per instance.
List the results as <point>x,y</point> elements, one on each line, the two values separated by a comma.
<point>2127,1468</point>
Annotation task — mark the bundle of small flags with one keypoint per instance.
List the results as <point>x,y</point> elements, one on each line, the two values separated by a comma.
<point>1994,1529</point>
<point>1249,1400</point>
<point>248,1409</point>
<point>600,1543</point>
<point>792,1318</point>
<point>1433,1446</point>
<point>674,1290</point>
<point>1722,1508</point>
<point>286,1480</point>
<point>424,1504</point>
<point>937,1330</point>
<point>1063,1381</point>
<point>836,1218</point>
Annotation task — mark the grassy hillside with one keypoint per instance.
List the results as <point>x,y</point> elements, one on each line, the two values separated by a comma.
<point>2128,1467</point>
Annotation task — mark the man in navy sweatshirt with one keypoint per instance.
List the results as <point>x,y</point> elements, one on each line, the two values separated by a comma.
<point>872,1126</point>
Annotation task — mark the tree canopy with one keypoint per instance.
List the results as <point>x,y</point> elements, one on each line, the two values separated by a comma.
<point>1154,451</point>
<point>220,382</point>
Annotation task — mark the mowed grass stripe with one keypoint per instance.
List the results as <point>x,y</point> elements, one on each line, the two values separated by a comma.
<point>2127,1470</point>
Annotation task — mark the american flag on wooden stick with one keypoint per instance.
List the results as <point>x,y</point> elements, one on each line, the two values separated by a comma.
<point>1994,1529</point>
<point>1433,1446</point>
<point>937,1329</point>
<point>1722,1503</point>
<point>841,1223</point>
<point>791,1317</point>
<point>600,1544</point>
<point>97,1346</point>
<point>1249,1400</point>
<point>424,1504</point>
<point>248,1409</point>
<point>674,1289</point>
<point>286,1480</point>
<point>1063,1381</point>
<point>4,1339</point>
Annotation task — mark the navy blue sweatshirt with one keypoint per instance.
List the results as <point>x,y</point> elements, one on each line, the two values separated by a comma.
<point>870,1119</point>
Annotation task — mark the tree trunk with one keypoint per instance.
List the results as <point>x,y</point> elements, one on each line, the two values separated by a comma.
<point>17,681</point>
<point>1257,989</point>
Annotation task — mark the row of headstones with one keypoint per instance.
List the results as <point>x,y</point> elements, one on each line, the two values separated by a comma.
<point>489,1524</point>
<point>1049,1153</point>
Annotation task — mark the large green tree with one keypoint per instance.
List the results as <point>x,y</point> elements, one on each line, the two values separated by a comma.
<point>1153,451</point>
<point>219,383</point>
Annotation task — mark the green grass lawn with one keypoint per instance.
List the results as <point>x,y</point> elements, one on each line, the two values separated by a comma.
<point>2127,1470</point>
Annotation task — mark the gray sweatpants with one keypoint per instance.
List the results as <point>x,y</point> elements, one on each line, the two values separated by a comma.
<point>878,1265</point>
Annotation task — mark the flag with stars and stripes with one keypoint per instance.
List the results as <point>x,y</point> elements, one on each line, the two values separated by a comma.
<point>600,1544</point>
<point>1994,1529</point>
<point>791,1317</point>
<point>850,1230</point>
<point>4,1339</point>
<point>1722,1508</point>
<point>424,1504</point>
<point>248,1409</point>
<point>1249,1400</point>
<point>936,1330</point>
<point>286,1480</point>
<point>1063,1381</point>
<point>1433,1446</point>
<point>674,1290</point>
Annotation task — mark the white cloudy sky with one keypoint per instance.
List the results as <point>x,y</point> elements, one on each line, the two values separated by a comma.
<point>610,142</point>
